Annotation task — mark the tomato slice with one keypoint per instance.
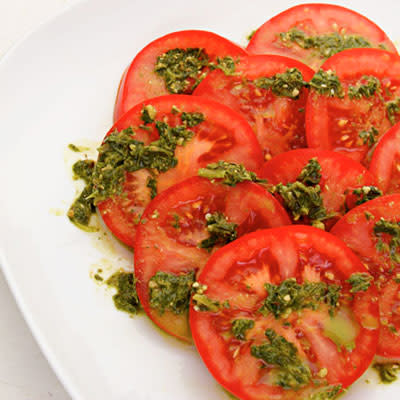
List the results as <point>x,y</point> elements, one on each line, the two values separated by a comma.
<point>385,162</point>
<point>140,81</point>
<point>299,33</point>
<point>170,239</point>
<point>340,176</point>
<point>358,230</point>
<point>222,135</point>
<point>277,119</point>
<point>352,125</point>
<point>335,345</point>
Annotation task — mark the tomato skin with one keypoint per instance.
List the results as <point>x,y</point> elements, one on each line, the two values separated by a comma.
<point>139,81</point>
<point>335,123</point>
<point>278,122</point>
<point>314,19</point>
<point>356,230</point>
<point>385,161</point>
<point>239,373</point>
<point>161,247</point>
<point>340,176</point>
<point>223,135</point>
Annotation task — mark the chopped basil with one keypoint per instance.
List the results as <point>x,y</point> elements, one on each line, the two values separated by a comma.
<point>392,109</point>
<point>170,292</point>
<point>366,193</point>
<point>291,296</point>
<point>221,231</point>
<point>367,86</point>
<point>392,229</point>
<point>292,373</point>
<point>369,137</point>
<point>288,84</point>
<point>360,282</point>
<point>325,45</point>
<point>310,174</point>
<point>152,185</point>
<point>240,327</point>
<point>230,173</point>
<point>327,83</point>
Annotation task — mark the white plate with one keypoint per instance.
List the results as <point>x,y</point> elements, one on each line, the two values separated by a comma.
<point>57,87</point>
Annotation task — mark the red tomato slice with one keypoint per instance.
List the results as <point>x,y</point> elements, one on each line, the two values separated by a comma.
<point>347,125</point>
<point>277,121</point>
<point>385,162</point>
<point>140,82</point>
<point>315,20</point>
<point>223,135</point>
<point>356,229</point>
<point>176,225</point>
<point>236,274</point>
<point>339,176</point>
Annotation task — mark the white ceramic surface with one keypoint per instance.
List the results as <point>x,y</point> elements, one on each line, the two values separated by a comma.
<point>58,87</point>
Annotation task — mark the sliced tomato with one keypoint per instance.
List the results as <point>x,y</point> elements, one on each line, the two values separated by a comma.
<point>356,229</point>
<point>278,121</point>
<point>316,20</point>
<point>175,225</point>
<point>140,81</point>
<point>223,135</point>
<point>385,162</point>
<point>340,176</point>
<point>235,277</point>
<point>351,126</point>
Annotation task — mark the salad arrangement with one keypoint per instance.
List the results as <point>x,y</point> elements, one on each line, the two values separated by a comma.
<point>259,191</point>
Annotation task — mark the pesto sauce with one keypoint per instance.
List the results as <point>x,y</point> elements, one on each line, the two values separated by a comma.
<point>325,45</point>
<point>221,231</point>
<point>327,393</point>
<point>327,83</point>
<point>393,230</point>
<point>83,169</point>
<point>366,193</point>
<point>292,373</point>
<point>366,87</point>
<point>230,173</point>
<point>126,298</point>
<point>171,292</point>
<point>291,296</point>
<point>288,84</point>
<point>360,282</point>
<point>392,109</point>
<point>388,372</point>
<point>240,327</point>
<point>369,137</point>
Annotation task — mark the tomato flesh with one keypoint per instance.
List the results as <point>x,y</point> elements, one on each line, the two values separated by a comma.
<point>140,82</point>
<point>223,135</point>
<point>385,162</point>
<point>339,176</point>
<point>313,20</point>
<point>272,256</point>
<point>338,124</point>
<point>170,242</point>
<point>356,229</point>
<point>277,121</point>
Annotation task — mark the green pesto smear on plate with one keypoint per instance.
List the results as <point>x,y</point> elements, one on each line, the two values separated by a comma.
<point>388,372</point>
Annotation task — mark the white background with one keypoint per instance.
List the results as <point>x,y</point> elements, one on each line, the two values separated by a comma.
<point>24,372</point>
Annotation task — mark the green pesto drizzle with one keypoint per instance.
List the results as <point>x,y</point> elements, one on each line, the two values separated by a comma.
<point>288,84</point>
<point>126,298</point>
<point>388,372</point>
<point>369,137</point>
<point>327,393</point>
<point>291,296</point>
<point>83,169</point>
<point>325,45</point>
<point>152,185</point>
<point>366,193</point>
<point>240,327</point>
<point>170,292</point>
<point>392,109</point>
<point>327,83</point>
<point>366,87</point>
<point>220,231</point>
<point>392,229</point>
<point>183,69</point>
<point>230,173</point>
<point>292,373</point>
<point>360,282</point>
<point>303,197</point>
